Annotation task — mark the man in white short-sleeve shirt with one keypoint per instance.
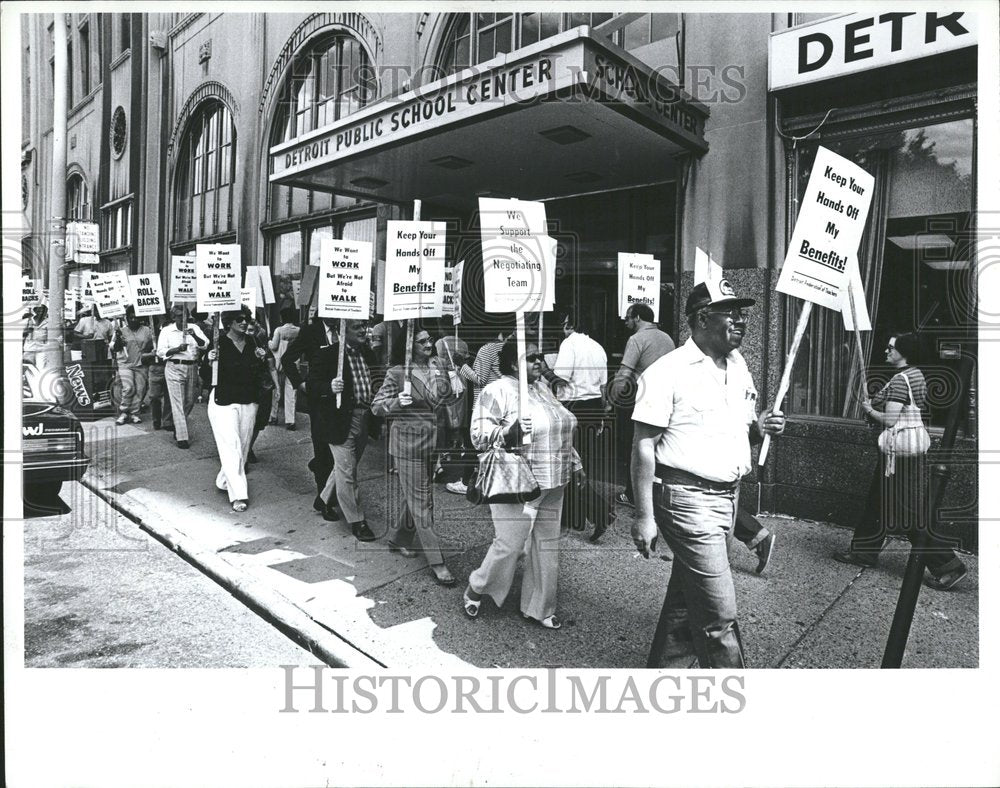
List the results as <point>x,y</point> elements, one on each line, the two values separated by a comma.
<point>692,447</point>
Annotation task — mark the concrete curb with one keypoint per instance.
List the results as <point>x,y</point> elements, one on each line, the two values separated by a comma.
<point>263,600</point>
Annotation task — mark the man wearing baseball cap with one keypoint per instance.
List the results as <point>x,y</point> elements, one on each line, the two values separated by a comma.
<point>693,431</point>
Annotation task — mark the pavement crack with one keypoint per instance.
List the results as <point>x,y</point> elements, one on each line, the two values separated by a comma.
<point>808,630</point>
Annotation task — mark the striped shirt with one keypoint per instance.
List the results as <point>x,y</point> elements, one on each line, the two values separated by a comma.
<point>486,368</point>
<point>895,391</point>
<point>550,454</point>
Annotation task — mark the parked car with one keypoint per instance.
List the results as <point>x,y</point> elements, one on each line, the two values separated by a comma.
<point>52,444</point>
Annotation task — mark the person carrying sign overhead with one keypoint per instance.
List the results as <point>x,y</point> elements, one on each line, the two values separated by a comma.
<point>178,347</point>
<point>692,447</point>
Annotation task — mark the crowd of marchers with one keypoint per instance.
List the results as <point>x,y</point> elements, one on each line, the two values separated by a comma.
<point>691,414</point>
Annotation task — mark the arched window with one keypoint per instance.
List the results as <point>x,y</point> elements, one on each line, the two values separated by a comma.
<point>206,170</point>
<point>77,206</point>
<point>329,80</point>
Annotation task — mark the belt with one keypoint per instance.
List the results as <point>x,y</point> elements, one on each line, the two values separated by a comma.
<point>669,475</point>
<point>180,361</point>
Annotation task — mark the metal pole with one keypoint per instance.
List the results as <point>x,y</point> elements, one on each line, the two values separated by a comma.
<point>906,605</point>
<point>54,351</point>
<point>408,350</point>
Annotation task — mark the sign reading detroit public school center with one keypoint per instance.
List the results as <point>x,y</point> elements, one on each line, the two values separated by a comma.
<point>571,64</point>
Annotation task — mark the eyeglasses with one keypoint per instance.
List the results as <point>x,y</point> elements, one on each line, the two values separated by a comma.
<point>736,315</point>
<point>241,319</point>
<point>425,341</point>
<point>534,357</point>
<point>890,348</point>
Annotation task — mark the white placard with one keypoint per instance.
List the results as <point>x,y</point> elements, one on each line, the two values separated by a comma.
<point>448,302</point>
<point>827,231</point>
<point>183,275</point>
<point>259,277</point>
<point>640,282</point>
<point>296,289</point>
<point>125,289</point>
<point>248,298</point>
<point>345,279</point>
<point>107,294</point>
<point>549,294</point>
<point>705,268</point>
<point>857,290</point>
<point>30,291</point>
<point>517,255</point>
<point>70,297</point>
<point>86,294</point>
<point>218,277</point>
<point>456,280</point>
<point>148,294</point>
<point>414,270</point>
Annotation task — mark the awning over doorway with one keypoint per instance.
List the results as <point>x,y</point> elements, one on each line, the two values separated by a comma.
<point>568,115</point>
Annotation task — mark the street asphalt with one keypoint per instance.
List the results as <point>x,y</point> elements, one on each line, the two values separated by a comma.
<point>298,570</point>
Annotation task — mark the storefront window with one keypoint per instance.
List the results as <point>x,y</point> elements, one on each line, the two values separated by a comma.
<point>916,265</point>
<point>205,175</point>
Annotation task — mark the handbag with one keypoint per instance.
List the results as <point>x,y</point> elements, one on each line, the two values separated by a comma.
<point>908,437</point>
<point>502,477</point>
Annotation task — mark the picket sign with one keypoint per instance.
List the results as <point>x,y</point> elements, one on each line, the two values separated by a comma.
<point>409,325</point>
<point>857,340</point>
<point>786,376</point>
<point>522,374</point>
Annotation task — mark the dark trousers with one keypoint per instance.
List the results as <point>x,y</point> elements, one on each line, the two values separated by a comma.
<point>322,462</point>
<point>585,502</point>
<point>898,505</point>
<point>626,431</point>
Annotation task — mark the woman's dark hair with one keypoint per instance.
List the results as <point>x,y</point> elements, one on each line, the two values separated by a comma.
<point>508,357</point>
<point>288,315</point>
<point>229,317</point>
<point>908,346</point>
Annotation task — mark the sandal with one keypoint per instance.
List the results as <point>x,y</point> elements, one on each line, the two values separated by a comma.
<point>239,506</point>
<point>947,580</point>
<point>549,622</point>
<point>442,575</point>
<point>471,605</point>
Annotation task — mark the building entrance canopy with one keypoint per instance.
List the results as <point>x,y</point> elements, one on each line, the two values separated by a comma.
<point>569,114</point>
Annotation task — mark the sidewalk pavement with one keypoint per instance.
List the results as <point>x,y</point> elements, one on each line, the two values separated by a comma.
<point>378,608</point>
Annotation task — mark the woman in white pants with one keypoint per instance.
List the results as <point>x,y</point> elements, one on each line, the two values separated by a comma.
<point>232,403</point>
<point>532,528</point>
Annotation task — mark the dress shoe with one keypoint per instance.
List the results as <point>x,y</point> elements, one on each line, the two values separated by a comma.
<point>764,550</point>
<point>157,425</point>
<point>332,513</point>
<point>856,559</point>
<point>134,420</point>
<point>183,445</point>
<point>946,580</point>
<point>319,505</point>
<point>290,427</point>
<point>251,457</point>
<point>362,532</point>
<point>121,420</point>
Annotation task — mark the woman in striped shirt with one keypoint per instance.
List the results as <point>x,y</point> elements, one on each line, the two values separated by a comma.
<point>897,502</point>
<point>553,462</point>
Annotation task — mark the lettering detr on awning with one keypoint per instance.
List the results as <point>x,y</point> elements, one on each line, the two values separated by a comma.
<point>850,43</point>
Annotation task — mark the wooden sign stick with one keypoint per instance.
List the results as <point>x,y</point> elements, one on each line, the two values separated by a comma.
<point>409,324</point>
<point>340,356</point>
<point>215,347</point>
<point>522,373</point>
<point>786,376</point>
<point>857,342</point>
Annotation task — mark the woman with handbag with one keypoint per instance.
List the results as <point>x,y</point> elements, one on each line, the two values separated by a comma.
<point>412,440</point>
<point>232,403</point>
<point>533,527</point>
<point>897,498</point>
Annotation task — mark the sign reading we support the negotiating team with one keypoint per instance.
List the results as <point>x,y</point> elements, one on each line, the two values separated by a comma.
<point>517,255</point>
<point>827,231</point>
<point>414,270</point>
<point>218,277</point>
<point>345,279</point>
<point>638,282</point>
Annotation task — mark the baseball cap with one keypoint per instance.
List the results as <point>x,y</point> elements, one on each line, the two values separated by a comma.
<point>712,293</point>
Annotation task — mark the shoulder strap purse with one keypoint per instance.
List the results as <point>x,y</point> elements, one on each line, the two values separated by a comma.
<point>908,437</point>
<point>502,477</point>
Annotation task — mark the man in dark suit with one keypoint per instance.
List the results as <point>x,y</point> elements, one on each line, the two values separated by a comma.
<point>347,427</point>
<point>319,335</point>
